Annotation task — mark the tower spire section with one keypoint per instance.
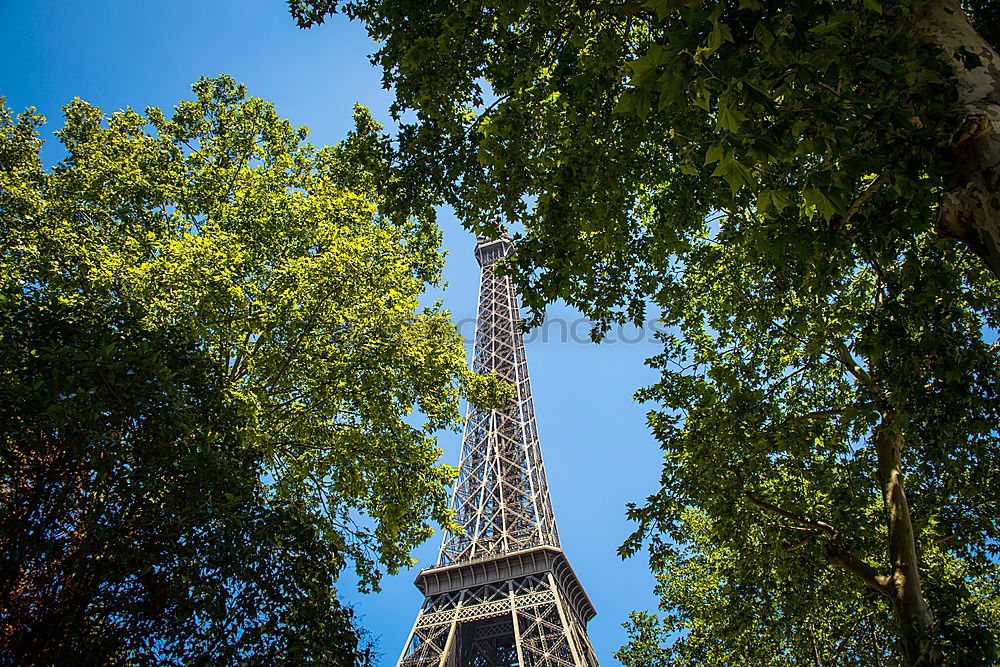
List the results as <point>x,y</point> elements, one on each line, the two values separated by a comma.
<point>502,593</point>
<point>502,497</point>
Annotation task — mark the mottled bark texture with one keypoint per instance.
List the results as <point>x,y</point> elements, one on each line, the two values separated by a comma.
<point>902,585</point>
<point>970,207</point>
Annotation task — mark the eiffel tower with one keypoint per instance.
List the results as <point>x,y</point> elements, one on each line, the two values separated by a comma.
<point>502,593</point>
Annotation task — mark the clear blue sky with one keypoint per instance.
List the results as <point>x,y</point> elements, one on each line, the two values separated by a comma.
<point>597,450</point>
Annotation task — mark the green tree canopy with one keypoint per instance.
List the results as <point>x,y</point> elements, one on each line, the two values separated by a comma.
<point>829,426</point>
<point>549,111</point>
<point>218,387</point>
<point>829,379</point>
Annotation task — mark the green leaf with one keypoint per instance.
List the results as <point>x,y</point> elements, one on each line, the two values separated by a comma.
<point>671,89</point>
<point>735,174</point>
<point>720,34</point>
<point>701,96</point>
<point>780,199</point>
<point>643,106</point>
<point>730,117</point>
<point>714,153</point>
<point>881,65</point>
<point>626,103</point>
<point>769,200</point>
<point>763,35</point>
<point>661,7</point>
<point>822,202</point>
<point>644,69</point>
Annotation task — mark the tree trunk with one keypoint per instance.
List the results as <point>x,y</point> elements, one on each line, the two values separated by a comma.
<point>970,208</point>
<point>903,584</point>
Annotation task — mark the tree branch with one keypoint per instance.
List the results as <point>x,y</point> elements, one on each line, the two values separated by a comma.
<point>845,357</point>
<point>838,556</point>
<point>812,638</point>
<point>861,201</point>
<point>821,414</point>
<point>820,526</point>
<point>836,553</point>
<point>850,633</point>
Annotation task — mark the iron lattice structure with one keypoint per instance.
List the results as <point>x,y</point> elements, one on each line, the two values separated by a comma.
<point>502,593</point>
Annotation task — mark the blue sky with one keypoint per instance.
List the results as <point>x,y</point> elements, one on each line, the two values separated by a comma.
<point>597,450</point>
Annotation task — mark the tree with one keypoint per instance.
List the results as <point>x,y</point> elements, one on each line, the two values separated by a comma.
<point>829,387</point>
<point>212,349</point>
<point>136,527</point>
<point>830,622</point>
<point>828,417</point>
<point>817,619</point>
<point>808,104</point>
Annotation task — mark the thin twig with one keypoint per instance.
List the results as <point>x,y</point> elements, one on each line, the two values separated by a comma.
<point>861,201</point>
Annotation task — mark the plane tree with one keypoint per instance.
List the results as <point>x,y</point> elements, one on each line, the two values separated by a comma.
<point>806,192</point>
<point>828,415</point>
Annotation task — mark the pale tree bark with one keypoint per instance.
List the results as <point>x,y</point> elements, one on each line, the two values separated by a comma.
<point>902,585</point>
<point>970,208</point>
